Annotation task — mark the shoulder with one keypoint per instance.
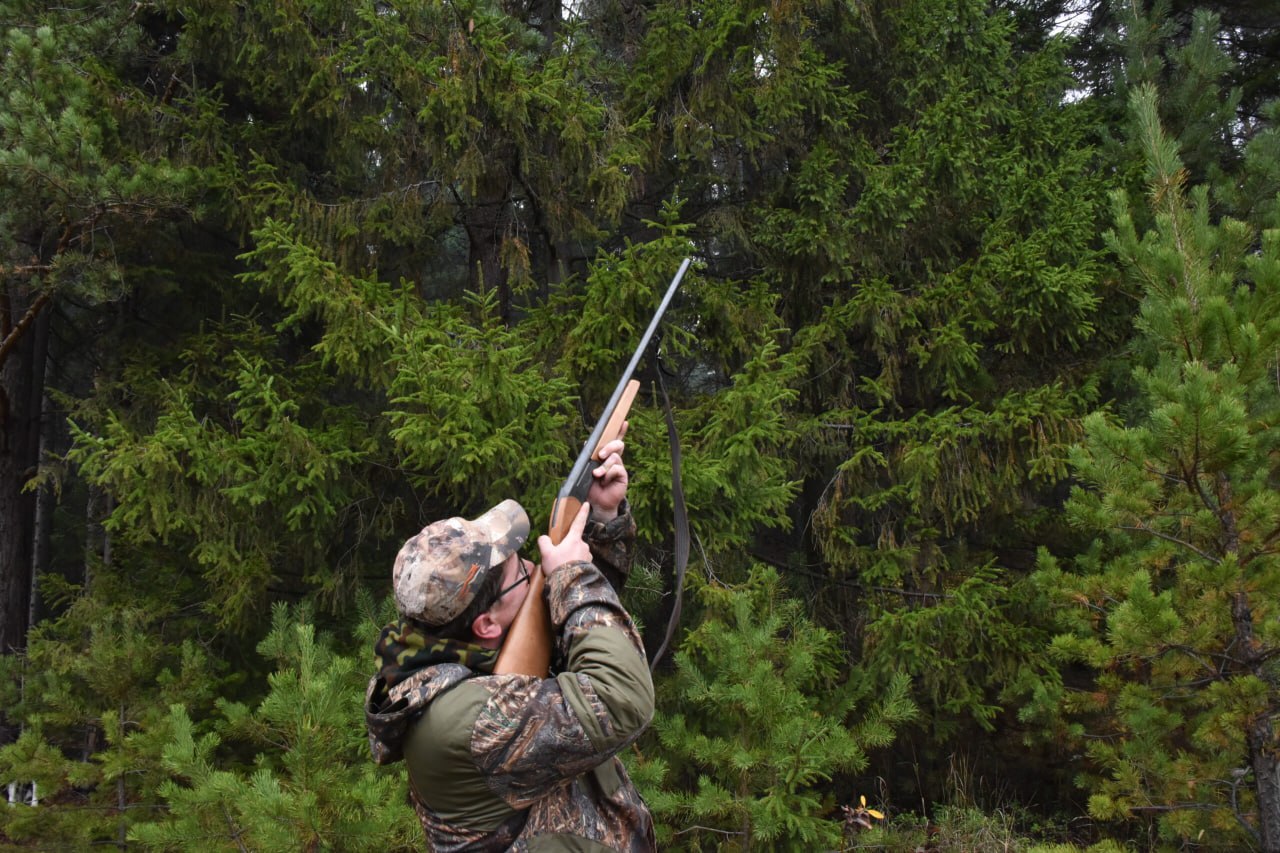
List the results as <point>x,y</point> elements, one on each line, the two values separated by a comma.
<point>443,731</point>
<point>445,748</point>
<point>443,768</point>
<point>452,725</point>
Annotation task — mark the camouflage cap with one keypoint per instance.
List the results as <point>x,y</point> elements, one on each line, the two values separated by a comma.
<point>437,572</point>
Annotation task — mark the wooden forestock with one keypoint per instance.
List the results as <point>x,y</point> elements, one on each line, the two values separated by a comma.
<point>527,647</point>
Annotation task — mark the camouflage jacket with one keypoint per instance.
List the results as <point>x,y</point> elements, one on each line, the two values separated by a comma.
<point>500,762</point>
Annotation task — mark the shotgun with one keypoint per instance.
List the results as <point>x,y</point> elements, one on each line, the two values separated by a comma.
<point>527,648</point>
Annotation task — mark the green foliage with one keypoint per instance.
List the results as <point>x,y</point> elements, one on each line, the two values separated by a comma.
<point>193,461</point>
<point>314,289</point>
<point>68,161</point>
<point>94,686</point>
<point>319,273</point>
<point>93,177</point>
<point>475,414</point>
<point>1176,611</point>
<point>933,240</point>
<point>763,720</point>
<point>311,785</point>
<point>956,828</point>
<point>960,642</point>
<point>735,470</point>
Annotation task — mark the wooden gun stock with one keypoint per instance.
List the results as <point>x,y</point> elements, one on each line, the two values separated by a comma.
<point>527,647</point>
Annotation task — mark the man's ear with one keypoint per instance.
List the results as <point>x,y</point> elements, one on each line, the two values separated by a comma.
<point>485,627</point>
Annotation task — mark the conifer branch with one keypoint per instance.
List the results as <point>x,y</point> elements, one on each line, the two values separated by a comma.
<point>698,828</point>
<point>1143,528</point>
<point>847,584</point>
<point>1188,475</point>
<point>394,191</point>
<point>1264,547</point>
<point>21,270</point>
<point>1200,659</point>
<point>1176,807</point>
<point>15,334</point>
<point>235,831</point>
<point>1267,656</point>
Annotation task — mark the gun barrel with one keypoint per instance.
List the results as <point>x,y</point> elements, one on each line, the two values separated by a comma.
<point>575,485</point>
<point>527,649</point>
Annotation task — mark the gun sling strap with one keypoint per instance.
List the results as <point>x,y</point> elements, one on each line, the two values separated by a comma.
<point>680,519</point>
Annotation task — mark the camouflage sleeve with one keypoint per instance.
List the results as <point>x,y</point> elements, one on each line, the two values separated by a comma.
<point>534,734</point>
<point>610,543</point>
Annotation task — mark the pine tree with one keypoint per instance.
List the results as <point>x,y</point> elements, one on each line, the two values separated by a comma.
<point>91,183</point>
<point>93,692</point>
<point>763,720</point>
<point>1175,610</point>
<point>310,785</point>
<point>1246,34</point>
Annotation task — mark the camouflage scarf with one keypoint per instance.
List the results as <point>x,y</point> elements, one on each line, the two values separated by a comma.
<point>404,648</point>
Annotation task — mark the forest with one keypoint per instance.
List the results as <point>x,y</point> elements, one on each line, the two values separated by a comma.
<point>975,377</point>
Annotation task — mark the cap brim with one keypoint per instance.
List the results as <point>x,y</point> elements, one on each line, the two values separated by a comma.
<point>507,526</point>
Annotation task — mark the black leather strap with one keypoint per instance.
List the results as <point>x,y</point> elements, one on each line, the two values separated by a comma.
<point>680,517</point>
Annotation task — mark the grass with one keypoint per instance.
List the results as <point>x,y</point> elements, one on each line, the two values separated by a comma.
<point>953,828</point>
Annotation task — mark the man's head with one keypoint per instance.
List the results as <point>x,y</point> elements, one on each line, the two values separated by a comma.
<point>449,568</point>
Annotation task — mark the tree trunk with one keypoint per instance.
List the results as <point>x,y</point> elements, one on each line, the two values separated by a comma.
<point>41,548</point>
<point>21,390</point>
<point>1260,733</point>
<point>1265,759</point>
<point>487,218</point>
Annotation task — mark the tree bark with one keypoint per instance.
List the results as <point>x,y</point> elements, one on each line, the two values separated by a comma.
<point>1260,733</point>
<point>486,219</point>
<point>1265,759</point>
<point>21,390</point>
<point>45,504</point>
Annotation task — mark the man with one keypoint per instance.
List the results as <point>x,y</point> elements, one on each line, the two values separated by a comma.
<point>517,762</point>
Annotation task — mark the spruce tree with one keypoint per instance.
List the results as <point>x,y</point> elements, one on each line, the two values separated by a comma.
<point>911,183</point>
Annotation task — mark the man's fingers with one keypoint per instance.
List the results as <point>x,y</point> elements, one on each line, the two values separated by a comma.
<point>580,521</point>
<point>612,461</point>
<point>613,447</point>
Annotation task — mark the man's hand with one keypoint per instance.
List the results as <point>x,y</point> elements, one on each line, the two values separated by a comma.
<point>609,489</point>
<point>571,548</point>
